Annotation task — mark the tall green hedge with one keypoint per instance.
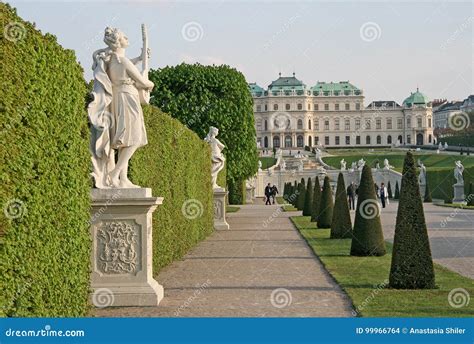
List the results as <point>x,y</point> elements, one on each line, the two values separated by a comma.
<point>441,182</point>
<point>176,164</point>
<point>203,96</point>
<point>44,175</point>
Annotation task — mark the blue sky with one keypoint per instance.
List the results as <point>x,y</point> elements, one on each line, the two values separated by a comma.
<point>386,48</point>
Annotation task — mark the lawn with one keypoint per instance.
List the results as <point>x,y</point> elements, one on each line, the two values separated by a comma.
<point>460,206</point>
<point>432,161</point>
<point>231,209</point>
<point>285,205</point>
<point>364,279</point>
<point>267,162</point>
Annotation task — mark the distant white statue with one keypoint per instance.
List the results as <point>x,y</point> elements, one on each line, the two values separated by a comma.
<point>300,165</point>
<point>115,114</point>
<point>422,175</point>
<point>377,166</point>
<point>283,165</point>
<point>318,154</point>
<point>445,146</point>
<point>440,146</point>
<point>217,158</point>
<point>354,166</point>
<point>458,171</point>
<point>361,164</point>
<point>386,165</point>
<point>343,165</point>
<point>259,166</point>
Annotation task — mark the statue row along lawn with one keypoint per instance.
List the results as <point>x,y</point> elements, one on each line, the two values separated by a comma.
<point>365,280</point>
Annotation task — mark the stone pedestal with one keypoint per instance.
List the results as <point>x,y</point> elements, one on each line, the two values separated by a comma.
<point>459,196</point>
<point>248,195</point>
<point>121,231</point>
<point>422,190</point>
<point>219,209</point>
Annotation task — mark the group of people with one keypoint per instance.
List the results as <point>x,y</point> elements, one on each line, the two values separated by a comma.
<point>353,189</point>
<point>270,194</point>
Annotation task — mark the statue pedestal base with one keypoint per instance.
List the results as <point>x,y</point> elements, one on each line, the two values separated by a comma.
<point>422,190</point>
<point>459,196</point>
<point>219,209</point>
<point>121,231</point>
<point>248,195</point>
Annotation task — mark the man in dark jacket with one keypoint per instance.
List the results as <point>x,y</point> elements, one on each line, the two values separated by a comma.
<point>351,195</point>
<point>268,194</point>
<point>274,192</point>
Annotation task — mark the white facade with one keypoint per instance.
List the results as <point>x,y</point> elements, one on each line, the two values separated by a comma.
<point>293,116</point>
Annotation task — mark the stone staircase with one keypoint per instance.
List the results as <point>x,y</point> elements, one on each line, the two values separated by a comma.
<point>292,163</point>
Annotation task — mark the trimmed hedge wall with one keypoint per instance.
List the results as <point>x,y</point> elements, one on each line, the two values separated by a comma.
<point>441,182</point>
<point>44,175</point>
<point>176,164</point>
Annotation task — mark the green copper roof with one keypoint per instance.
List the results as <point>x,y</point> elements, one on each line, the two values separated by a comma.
<point>336,88</point>
<point>286,83</point>
<point>416,98</point>
<point>255,89</point>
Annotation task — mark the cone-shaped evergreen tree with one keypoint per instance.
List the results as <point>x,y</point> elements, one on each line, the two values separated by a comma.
<point>308,199</point>
<point>326,206</point>
<point>294,194</point>
<point>341,226</point>
<point>412,265</point>
<point>301,195</point>
<point>285,191</point>
<point>389,190</point>
<point>367,235</point>
<point>397,191</point>
<point>427,196</point>
<point>316,200</point>
<point>470,196</point>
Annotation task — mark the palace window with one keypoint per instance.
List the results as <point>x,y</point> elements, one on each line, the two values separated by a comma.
<point>336,124</point>
<point>326,140</point>
<point>429,138</point>
<point>429,123</point>
<point>316,124</point>
<point>348,106</point>
<point>367,123</point>
<point>357,140</point>
<point>309,124</point>
<point>275,107</point>
<point>399,123</point>
<point>347,124</point>
<point>266,107</point>
<point>367,140</point>
<point>326,107</point>
<point>299,124</point>
<point>357,124</point>
<point>299,141</point>
<point>418,122</point>
<point>300,106</point>
<point>316,107</point>
<point>408,123</point>
<point>389,140</point>
<point>357,106</point>
<point>316,140</point>
<point>389,123</point>
<point>309,106</point>
<point>337,140</point>
<point>348,140</point>
<point>266,125</point>
<point>259,108</point>
<point>378,123</point>
<point>259,125</point>
<point>287,106</point>
<point>408,139</point>
<point>326,125</point>
<point>379,140</point>
<point>336,107</point>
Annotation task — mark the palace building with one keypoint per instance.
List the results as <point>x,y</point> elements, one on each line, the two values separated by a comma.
<point>288,114</point>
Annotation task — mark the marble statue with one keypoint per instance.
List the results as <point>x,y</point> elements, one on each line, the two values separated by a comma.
<point>283,165</point>
<point>440,146</point>
<point>354,166</point>
<point>259,166</point>
<point>361,164</point>
<point>217,157</point>
<point>458,171</point>
<point>377,166</point>
<point>422,175</point>
<point>343,165</point>
<point>115,114</point>
<point>445,145</point>
<point>386,165</point>
<point>300,165</point>
<point>318,154</point>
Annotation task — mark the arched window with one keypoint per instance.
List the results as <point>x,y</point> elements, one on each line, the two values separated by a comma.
<point>299,124</point>
<point>266,125</point>
<point>276,141</point>
<point>379,139</point>
<point>400,139</point>
<point>299,141</point>
<point>275,107</point>
<point>389,139</point>
<point>309,124</point>
<point>310,141</point>
<point>265,142</point>
<point>367,140</point>
<point>288,142</point>
<point>429,138</point>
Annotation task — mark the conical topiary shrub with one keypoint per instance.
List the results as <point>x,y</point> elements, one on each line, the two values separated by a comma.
<point>301,196</point>
<point>341,226</point>
<point>285,191</point>
<point>397,191</point>
<point>316,200</point>
<point>470,196</point>
<point>326,206</point>
<point>308,199</point>
<point>412,265</point>
<point>389,190</point>
<point>367,235</point>
<point>294,194</point>
<point>427,196</point>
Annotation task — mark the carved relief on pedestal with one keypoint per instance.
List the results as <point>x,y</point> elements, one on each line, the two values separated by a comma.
<point>218,207</point>
<point>118,247</point>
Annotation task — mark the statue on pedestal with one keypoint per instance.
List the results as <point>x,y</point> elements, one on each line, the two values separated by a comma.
<point>115,114</point>
<point>343,165</point>
<point>259,166</point>
<point>422,175</point>
<point>386,165</point>
<point>218,159</point>
<point>283,165</point>
<point>458,171</point>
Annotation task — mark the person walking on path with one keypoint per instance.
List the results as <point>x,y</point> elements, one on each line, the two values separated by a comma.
<point>274,192</point>
<point>351,195</point>
<point>268,194</point>
<point>383,194</point>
